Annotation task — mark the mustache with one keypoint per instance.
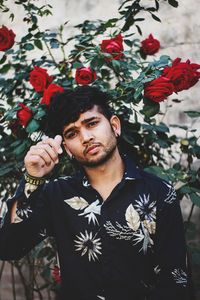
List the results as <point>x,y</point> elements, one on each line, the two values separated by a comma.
<point>87,148</point>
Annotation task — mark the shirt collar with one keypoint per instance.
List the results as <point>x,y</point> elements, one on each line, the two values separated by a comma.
<point>131,172</point>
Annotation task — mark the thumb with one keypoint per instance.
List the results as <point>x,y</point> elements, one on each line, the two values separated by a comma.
<point>58,140</point>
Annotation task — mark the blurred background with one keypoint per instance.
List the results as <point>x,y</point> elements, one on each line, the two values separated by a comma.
<point>179,36</point>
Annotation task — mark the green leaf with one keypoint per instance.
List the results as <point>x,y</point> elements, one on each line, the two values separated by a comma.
<point>54,43</point>
<point>32,126</point>
<point>6,168</point>
<point>3,59</point>
<point>139,29</point>
<point>28,46</point>
<point>158,171</point>
<point>116,64</point>
<point>96,63</point>
<point>155,18</point>
<point>11,17</point>
<point>128,43</point>
<point>195,198</point>
<point>77,65</point>
<point>38,44</point>
<point>150,108</point>
<point>173,3</point>
<point>138,92</point>
<point>39,114</point>
<point>22,148</point>
<point>5,69</point>
<point>192,114</point>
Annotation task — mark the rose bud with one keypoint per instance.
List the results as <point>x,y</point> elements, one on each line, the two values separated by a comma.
<point>150,45</point>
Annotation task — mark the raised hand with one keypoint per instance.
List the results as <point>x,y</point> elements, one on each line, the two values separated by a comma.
<point>42,157</point>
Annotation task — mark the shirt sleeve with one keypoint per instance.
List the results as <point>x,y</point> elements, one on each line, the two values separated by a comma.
<point>170,249</point>
<point>30,227</point>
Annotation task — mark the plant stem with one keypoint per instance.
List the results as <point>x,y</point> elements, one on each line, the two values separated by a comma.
<point>50,53</point>
<point>191,211</point>
<point>1,270</point>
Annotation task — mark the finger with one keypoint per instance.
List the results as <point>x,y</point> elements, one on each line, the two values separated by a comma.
<point>58,140</point>
<point>55,143</point>
<point>35,160</point>
<point>50,150</point>
<point>42,153</point>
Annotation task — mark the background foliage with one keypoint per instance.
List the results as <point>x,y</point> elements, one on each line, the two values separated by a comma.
<point>156,146</point>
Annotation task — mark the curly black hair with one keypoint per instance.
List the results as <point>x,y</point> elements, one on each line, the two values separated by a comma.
<point>65,107</point>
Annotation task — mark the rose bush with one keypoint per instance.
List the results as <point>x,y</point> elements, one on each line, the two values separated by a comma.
<point>85,75</point>
<point>7,38</point>
<point>137,90</point>
<point>40,79</point>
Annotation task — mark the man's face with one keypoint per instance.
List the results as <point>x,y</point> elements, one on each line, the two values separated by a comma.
<point>92,138</point>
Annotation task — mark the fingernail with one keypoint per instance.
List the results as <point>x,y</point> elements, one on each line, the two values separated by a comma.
<point>60,150</point>
<point>57,161</point>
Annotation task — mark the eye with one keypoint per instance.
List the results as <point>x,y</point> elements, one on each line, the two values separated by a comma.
<point>71,135</point>
<point>93,123</point>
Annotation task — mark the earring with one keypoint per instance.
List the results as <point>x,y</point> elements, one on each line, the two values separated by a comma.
<point>71,156</point>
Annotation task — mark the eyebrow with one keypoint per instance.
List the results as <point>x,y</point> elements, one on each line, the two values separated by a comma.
<point>85,121</point>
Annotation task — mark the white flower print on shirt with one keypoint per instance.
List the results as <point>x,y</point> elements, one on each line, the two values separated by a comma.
<point>88,244</point>
<point>140,219</point>
<point>90,210</point>
<point>171,194</point>
<point>180,277</point>
<point>145,207</point>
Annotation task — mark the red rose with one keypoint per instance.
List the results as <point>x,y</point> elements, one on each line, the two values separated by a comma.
<point>150,46</point>
<point>24,114</point>
<point>40,79</point>
<point>85,75</point>
<point>113,46</point>
<point>52,88</point>
<point>7,38</point>
<point>158,89</point>
<point>183,75</point>
<point>56,274</point>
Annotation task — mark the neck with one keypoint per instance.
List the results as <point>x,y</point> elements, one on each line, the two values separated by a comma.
<point>109,172</point>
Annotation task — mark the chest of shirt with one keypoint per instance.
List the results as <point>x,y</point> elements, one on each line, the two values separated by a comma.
<point>127,217</point>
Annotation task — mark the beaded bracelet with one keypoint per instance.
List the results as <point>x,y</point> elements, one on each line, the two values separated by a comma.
<point>34,180</point>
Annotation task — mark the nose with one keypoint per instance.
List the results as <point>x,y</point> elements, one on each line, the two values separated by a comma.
<point>86,136</point>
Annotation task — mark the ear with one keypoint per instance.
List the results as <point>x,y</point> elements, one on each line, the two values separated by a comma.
<point>67,150</point>
<point>116,125</point>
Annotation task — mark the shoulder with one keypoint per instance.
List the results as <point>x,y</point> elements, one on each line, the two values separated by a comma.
<point>162,190</point>
<point>60,183</point>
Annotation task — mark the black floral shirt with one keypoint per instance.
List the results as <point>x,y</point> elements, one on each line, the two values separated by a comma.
<point>129,247</point>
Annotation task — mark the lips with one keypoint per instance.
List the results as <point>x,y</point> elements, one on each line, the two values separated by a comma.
<point>92,149</point>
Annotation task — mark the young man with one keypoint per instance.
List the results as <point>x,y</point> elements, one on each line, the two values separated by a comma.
<point>118,230</point>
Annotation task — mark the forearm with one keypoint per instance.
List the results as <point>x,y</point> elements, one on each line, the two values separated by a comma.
<point>22,224</point>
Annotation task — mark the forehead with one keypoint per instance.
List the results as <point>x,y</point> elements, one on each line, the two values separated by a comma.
<point>91,113</point>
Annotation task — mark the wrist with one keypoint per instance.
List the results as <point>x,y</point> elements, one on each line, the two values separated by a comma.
<point>34,180</point>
